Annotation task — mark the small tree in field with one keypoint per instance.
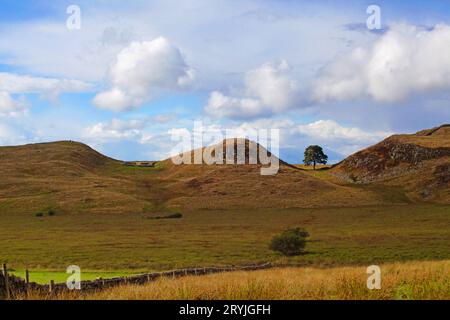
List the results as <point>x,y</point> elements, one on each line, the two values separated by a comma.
<point>291,242</point>
<point>315,155</point>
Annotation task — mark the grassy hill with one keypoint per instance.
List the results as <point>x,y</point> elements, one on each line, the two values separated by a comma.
<point>103,210</point>
<point>419,163</point>
<point>67,176</point>
<point>243,186</point>
<point>73,178</point>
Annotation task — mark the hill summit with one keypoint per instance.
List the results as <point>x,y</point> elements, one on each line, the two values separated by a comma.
<point>60,158</point>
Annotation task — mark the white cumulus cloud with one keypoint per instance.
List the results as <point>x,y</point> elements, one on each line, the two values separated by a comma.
<point>142,70</point>
<point>404,61</point>
<point>14,84</point>
<point>115,129</point>
<point>10,135</point>
<point>330,130</point>
<point>10,107</point>
<point>337,137</point>
<point>267,90</point>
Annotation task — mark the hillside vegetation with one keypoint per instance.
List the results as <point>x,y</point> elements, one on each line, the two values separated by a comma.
<point>73,178</point>
<point>63,203</point>
<point>419,163</point>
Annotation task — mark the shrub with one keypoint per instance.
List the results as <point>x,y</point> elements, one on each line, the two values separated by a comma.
<point>170,216</point>
<point>290,242</point>
<point>49,212</point>
<point>175,216</point>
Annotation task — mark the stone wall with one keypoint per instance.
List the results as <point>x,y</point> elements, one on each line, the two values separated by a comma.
<point>2,286</point>
<point>18,286</point>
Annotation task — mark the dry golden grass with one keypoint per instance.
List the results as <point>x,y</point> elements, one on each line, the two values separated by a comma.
<point>413,280</point>
<point>433,138</point>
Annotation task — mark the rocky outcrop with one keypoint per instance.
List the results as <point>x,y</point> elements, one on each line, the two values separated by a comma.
<point>417,163</point>
<point>388,159</point>
<point>413,154</point>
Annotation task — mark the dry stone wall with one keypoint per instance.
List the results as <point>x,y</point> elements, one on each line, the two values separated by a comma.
<point>19,286</point>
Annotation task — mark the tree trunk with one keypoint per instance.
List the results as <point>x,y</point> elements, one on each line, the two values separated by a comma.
<point>314,166</point>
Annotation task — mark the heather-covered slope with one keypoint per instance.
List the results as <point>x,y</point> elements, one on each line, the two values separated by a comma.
<point>419,163</point>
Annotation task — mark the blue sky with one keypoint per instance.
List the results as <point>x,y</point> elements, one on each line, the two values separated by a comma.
<point>134,73</point>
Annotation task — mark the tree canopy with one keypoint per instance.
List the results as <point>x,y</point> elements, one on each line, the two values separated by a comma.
<point>290,242</point>
<point>315,155</point>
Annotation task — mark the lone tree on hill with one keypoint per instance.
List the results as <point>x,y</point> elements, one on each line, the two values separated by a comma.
<point>315,155</point>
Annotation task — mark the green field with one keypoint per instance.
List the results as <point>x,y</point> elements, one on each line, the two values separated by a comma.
<point>44,277</point>
<point>109,245</point>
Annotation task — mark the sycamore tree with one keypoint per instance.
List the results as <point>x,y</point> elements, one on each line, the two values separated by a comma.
<point>315,155</point>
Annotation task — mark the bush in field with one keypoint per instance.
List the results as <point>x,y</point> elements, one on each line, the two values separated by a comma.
<point>49,212</point>
<point>170,216</point>
<point>174,216</point>
<point>290,242</point>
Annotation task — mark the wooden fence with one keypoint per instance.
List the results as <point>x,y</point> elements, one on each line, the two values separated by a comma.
<point>12,286</point>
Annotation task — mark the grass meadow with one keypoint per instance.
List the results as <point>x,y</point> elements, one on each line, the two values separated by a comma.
<point>121,244</point>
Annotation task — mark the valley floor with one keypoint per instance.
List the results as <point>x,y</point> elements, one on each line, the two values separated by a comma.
<point>120,244</point>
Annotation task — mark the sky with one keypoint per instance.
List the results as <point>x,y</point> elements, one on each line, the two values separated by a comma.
<point>126,77</point>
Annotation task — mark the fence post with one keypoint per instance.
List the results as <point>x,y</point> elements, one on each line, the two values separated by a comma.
<point>5,274</point>
<point>27,282</point>
<point>52,286</point>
